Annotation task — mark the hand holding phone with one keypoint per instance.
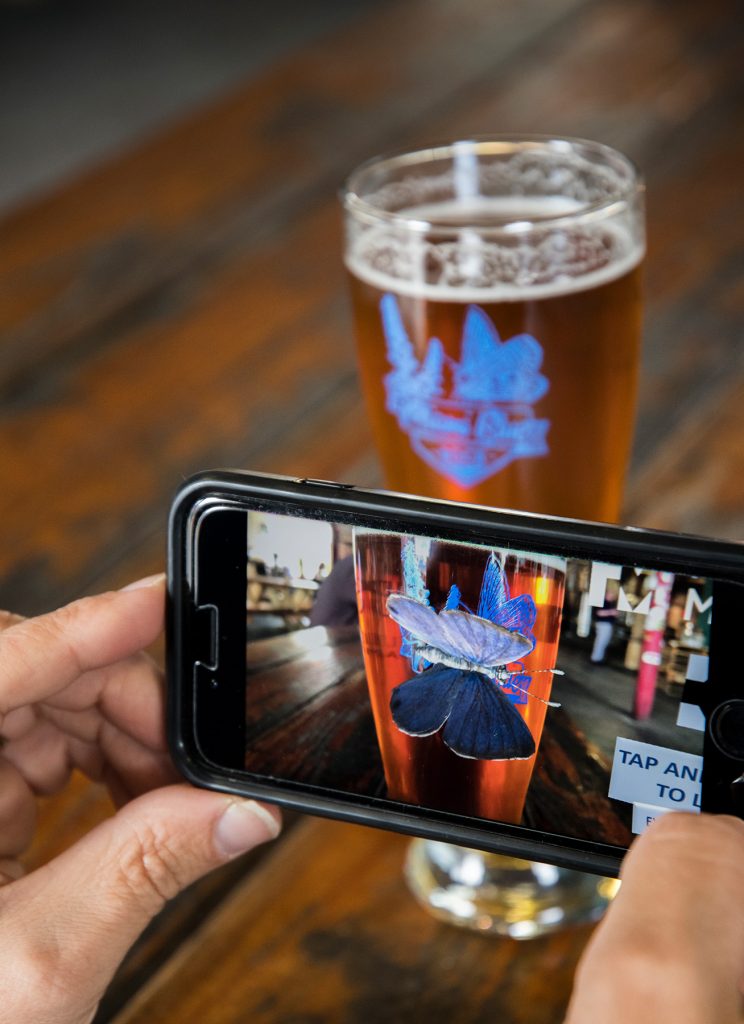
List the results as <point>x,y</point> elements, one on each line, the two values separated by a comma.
<point>671,946</point>
<point>78,691</point>
<point>530,685</point>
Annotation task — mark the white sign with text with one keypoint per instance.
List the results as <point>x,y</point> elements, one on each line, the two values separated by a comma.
<point>648,774</point>
<point>644,814</point>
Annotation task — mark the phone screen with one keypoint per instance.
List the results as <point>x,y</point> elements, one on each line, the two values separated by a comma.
<point>556,693</point>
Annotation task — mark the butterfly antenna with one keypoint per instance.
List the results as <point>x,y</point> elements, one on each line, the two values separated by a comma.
<point>547,703</point>
<point>553,672</point>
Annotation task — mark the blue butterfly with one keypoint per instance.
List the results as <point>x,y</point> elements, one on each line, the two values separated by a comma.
<point>467,655</point>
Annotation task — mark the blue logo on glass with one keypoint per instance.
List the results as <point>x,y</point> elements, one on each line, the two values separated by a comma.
<point>467,420</point>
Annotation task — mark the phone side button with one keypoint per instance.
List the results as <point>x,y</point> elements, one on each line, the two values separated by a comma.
<point>324,483</point>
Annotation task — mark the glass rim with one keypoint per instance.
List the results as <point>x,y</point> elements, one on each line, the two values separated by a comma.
<point>355,205</point>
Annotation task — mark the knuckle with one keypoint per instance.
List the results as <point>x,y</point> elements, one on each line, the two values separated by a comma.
<point>37,967</point>
<point>47,632</point>
<point>61,624</point>
<point>17,811</point>
<point>15,650</point>
<point>18,660</point>
<point>150,869</point>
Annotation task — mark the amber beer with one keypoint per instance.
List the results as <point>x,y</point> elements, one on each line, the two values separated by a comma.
<point>498,335</point>
<point>422,770</point>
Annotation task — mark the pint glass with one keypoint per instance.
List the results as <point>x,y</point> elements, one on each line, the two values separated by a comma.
<point>497,307</point>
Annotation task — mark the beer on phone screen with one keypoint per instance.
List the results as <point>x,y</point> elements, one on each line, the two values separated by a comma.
<point>497,305</point>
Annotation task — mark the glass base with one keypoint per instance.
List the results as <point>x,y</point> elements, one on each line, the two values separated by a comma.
<point>502,895</point>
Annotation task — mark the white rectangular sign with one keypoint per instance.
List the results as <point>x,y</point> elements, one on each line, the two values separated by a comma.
<point>648,774</point>
<point>644,814</point>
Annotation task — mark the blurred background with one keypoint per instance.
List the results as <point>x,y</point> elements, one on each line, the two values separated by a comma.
<point>82,81</point>
<point>171,287</point>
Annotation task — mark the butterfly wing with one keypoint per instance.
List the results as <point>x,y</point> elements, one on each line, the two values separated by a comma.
<point>483,723</point>
<point>458,633</point>
<point>494,589</point>
<point>481,641</point>
<point>519,615</point>
<point>420,706</point>
<point>422,622</point>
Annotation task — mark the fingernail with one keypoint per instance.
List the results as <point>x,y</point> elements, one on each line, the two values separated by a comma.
<point>244,825</point>
<point>147,581</point>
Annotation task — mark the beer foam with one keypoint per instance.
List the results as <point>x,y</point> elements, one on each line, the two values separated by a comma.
<point>554,562</point>
<point>493,210</point>
<point>471,265</point>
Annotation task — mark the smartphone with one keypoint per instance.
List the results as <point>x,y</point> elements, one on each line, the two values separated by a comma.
<point>536,686</point>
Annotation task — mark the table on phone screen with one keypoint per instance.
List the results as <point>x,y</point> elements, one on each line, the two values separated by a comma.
<point>182,305</point>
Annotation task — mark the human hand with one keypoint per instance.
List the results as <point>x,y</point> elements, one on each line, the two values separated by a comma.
<point>671,947</point>
<point>77,691</point>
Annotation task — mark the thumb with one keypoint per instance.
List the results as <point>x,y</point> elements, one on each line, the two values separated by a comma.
<point>67,925</point>
<point>672,944</point>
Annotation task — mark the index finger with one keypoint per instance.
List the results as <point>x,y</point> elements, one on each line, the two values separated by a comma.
<point>39,657</point>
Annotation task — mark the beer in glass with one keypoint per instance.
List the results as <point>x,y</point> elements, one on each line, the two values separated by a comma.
<point>497,306</point>
<point>423,769</point>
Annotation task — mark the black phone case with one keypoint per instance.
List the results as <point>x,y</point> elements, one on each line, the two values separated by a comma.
<point>549,535</point>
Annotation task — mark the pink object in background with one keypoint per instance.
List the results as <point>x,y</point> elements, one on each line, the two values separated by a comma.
<point>653,641</point>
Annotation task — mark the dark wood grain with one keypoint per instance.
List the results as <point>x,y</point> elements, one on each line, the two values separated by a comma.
<point>308,716</point>
<point>262,322</point>
<point>184,306</point>
<point>206,192</point>
<point>570,783</point>
<point>325,931</point>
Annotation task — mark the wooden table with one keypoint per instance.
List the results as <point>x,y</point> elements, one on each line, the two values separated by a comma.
<point>184,307</point>
<point>309,719</point>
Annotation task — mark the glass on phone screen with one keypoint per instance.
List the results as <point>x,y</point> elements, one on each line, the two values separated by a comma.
<point>508,685</point>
